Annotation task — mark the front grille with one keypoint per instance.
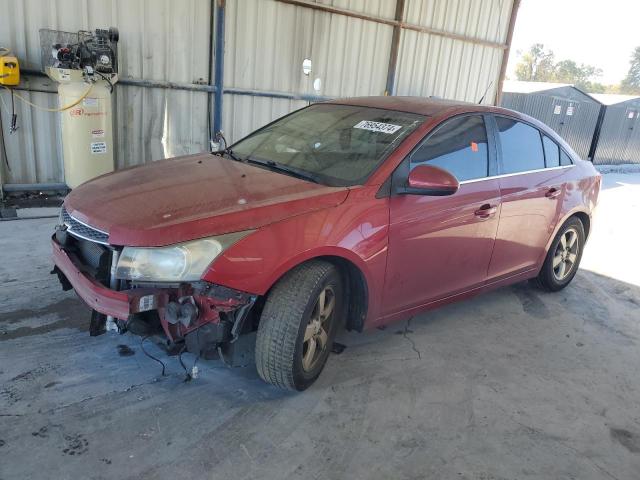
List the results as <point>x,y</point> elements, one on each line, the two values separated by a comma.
<point>94,259</point>
<point>92,254</point>
<point>82,230</point>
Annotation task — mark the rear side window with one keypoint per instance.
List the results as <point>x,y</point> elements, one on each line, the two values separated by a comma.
<point>459,146</point>
<point>551,152</point>
<point>521,146</point>
<point>565,159</point>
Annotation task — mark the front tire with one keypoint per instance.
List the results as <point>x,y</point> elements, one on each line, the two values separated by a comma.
<point>563,257</point>
<point>298,324</point>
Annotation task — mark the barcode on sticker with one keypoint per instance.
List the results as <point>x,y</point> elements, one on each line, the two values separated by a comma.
<point>377,126</point>
<point>146,303</point>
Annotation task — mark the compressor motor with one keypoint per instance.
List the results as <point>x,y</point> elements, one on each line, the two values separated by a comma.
<point>93,51</point>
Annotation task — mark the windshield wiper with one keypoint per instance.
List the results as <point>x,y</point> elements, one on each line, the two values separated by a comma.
<point>279,167</point>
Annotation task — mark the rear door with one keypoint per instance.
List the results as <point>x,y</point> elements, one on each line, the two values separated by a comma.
<point>439,246</point>
<point>531,186</point>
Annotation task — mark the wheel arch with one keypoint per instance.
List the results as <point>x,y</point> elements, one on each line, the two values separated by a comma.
<point>586,221</point>
<point>357,286</point>
<point>582,215</point>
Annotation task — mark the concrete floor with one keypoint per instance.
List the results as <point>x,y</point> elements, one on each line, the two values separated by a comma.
<point>513,384</point>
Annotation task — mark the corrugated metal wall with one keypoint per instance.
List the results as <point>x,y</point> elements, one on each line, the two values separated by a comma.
<point>266,42</point>
<point>429,64</point>
<point>160,40</point>
<point>619,140</point>
<point>569,112</point>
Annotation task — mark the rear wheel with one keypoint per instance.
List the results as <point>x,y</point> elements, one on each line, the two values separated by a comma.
<point>563,258</point>
<point>298,324</point>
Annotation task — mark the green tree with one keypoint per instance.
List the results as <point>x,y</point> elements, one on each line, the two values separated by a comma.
<point>568,71</point>
<point>631,83</point>
<point>536,65</point>
<point>539,65</point>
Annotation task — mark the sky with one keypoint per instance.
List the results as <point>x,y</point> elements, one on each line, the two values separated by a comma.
<point>595,32</point>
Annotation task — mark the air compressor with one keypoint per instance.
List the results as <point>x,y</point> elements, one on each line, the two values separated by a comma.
<point>85,66</point>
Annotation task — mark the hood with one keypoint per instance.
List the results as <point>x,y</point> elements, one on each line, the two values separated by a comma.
<point>185,198</point>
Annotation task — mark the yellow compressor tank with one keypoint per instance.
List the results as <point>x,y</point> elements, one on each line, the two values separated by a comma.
<point>87,133</point>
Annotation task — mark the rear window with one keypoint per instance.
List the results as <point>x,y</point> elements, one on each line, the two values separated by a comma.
<point>551,152</point>
<point>521,146</point>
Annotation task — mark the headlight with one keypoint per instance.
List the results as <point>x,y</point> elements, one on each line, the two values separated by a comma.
<point>183,262</point>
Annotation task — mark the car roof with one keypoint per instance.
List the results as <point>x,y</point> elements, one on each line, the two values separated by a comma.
<point>428,106</point>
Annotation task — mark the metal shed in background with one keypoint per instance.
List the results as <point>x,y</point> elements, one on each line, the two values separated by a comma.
<point>190,68</point>
<point>619,137</point>
<point>572,113</point>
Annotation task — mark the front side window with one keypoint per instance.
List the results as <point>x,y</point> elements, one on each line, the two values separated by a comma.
<point>459,146</point>
<point>551,152</point>
<point>521,146</point>
<point>338,145</point>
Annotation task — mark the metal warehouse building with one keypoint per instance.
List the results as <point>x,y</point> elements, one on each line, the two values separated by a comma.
<point>572,113</point>
<point>619,137</point>
<point>193,67</point>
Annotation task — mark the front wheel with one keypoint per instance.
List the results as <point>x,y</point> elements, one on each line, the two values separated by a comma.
<point>298,324</point>
<point>563,258</point>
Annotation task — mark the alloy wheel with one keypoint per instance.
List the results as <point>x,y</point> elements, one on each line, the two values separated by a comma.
<point>566,254</point>
<point>316,334</point>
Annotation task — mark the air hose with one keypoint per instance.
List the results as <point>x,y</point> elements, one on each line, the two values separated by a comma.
<point>61,109</point>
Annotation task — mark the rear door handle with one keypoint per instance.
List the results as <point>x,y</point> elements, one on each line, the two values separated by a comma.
<point>486,211</point>
<point>553,192</point>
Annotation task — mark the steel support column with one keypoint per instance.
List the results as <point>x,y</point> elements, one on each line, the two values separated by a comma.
<point>505,53</point>
<point>219,66</point>
<point>395,46</point>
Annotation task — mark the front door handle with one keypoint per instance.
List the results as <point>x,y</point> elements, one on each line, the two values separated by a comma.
<point>486,211</point>
<point>553,192</point>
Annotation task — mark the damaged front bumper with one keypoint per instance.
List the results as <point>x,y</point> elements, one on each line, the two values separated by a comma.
<point>199,317</point>
<point>100,298</point>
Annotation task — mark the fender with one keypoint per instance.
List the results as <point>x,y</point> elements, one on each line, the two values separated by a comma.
<point>328,251</point>
<point>356,231</point>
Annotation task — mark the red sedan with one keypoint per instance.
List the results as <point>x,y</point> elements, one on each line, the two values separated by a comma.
<point>352,213</point>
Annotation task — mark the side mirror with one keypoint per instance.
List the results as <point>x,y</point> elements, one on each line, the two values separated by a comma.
<point>430,180</point>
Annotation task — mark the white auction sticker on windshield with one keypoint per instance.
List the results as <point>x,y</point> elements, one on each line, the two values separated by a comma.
<point>377,126</point>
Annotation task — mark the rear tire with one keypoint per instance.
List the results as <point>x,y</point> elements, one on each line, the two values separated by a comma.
<point>298,324</point>
<point>563,257</point>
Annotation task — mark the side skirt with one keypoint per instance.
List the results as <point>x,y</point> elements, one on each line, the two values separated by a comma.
<point>403,314</point>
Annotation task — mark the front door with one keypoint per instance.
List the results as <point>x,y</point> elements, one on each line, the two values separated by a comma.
<point>439,246</point>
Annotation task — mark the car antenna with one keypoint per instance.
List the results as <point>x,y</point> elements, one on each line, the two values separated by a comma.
<point>485,92</point>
